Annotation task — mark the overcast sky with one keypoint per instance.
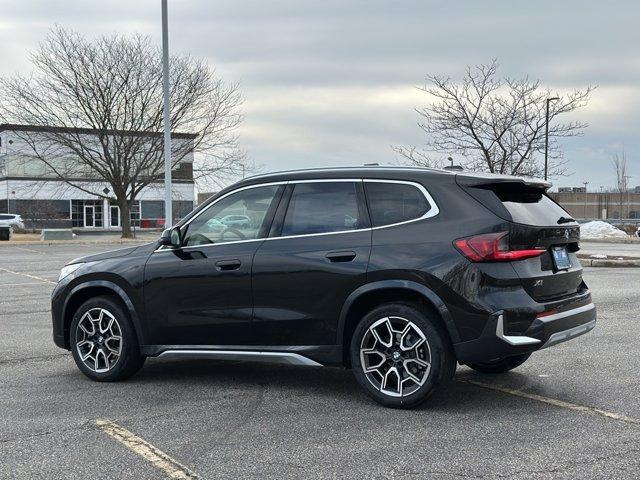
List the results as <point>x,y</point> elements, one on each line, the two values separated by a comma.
<point>334,82</point>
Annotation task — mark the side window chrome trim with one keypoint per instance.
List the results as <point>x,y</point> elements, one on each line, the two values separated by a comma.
<point>169,249</point>
<point>433,211</point>
<point>317,234</point>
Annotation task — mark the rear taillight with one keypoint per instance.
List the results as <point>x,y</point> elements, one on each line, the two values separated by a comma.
<point>492,247</point>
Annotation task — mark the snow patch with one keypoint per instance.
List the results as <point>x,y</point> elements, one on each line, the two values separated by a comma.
<point>600,229</point>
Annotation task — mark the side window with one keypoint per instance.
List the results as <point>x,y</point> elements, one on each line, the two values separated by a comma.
<point>322,207</point>
<point>391,203</point>
<point>236,217</point>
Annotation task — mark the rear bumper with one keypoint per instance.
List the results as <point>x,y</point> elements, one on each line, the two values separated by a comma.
<point>544,332</point>
<point>564,326</point>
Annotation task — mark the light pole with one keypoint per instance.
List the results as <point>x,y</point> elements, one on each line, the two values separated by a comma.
<point>168,214</point>
<point>546,138</point>
<point>585,199</point>
<point>626,187</point>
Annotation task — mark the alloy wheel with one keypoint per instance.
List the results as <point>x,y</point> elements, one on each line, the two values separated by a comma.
<point>99,340</point>
<point>395,356</point>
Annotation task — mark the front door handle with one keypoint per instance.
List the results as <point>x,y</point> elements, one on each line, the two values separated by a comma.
<point>231,264</point>
<point>343,256</point>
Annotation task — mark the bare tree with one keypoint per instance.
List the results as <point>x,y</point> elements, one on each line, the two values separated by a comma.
<point>114,85</point>
<point>622,179</point>
<point>494,124</point>
<point>417,157</point>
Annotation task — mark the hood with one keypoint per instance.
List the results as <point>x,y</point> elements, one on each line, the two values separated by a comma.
<point>122,252</point>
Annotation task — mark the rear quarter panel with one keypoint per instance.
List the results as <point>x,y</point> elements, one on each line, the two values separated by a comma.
<point>423,252</point>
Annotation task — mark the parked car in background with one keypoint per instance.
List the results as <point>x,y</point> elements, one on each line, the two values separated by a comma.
<point>238,221</point>
<point>215,225</point>
<point>397,273</point>
<point>11,220</point>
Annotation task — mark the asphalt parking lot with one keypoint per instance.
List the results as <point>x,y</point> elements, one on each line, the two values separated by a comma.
<point>572,411</point>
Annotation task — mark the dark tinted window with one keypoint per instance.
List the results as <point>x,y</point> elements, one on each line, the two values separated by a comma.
<point>322,207</point>
<point>395,202</point>
<point>531,207</point>
<point>7,217</point>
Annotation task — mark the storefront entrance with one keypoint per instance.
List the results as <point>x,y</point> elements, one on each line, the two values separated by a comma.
<point>90,216</point>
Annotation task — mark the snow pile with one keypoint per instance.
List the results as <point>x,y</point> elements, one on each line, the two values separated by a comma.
<point>599,229</point>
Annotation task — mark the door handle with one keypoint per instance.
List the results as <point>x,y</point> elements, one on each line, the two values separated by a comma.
<point>232,264</point>
<point>343,256</point>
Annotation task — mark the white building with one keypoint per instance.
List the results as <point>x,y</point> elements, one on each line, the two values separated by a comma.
<point>29,188</point>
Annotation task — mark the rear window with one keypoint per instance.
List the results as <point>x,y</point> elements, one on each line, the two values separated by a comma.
<point>531,207</point>
<point>391,203</point>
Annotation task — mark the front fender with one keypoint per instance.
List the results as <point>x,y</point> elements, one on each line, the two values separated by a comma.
<point>118,291</point>
<point>426,292</point>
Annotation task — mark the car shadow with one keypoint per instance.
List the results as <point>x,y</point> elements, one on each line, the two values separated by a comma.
<point>335,384</point>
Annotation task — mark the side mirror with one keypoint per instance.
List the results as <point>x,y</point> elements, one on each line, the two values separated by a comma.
<point>171,237</point>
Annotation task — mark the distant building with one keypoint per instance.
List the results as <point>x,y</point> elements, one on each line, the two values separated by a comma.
<point>31,189</point>
<point>599,205</point>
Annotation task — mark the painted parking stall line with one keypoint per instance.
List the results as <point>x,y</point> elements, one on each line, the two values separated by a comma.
<point>28,275</point>
<point>152,454</point>
<point>555,402</point>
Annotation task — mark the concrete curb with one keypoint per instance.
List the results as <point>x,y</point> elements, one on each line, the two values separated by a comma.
<point>609,262</point>
<point>611,240</point>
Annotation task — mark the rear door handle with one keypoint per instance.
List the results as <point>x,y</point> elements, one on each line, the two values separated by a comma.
<point>231,264</point>
<point>343,256</point>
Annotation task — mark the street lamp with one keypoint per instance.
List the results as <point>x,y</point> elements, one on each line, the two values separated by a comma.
<point>585,199</point>
<point>168,216</point>
<point>626,187</point>
<point>546,138</point>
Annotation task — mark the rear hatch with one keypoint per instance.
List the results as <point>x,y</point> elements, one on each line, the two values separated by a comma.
<point>535,222</point>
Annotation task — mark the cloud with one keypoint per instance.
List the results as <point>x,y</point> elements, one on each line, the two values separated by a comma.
<point>333,82</point>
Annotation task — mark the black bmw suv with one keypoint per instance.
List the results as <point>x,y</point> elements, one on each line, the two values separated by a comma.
<point>396,273</point>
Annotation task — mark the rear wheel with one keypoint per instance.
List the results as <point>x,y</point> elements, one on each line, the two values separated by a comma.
<point>400,356</point>
<point>500,365</point>
<point>103,342</point>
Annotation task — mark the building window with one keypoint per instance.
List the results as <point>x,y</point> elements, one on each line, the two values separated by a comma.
<point>114,211</point>
<point>86,213</point>
<point>134,214</point>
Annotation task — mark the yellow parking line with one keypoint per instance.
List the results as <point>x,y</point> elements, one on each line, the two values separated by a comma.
<point>35,277</point>
<point>153,455</point>
<point>555,402</point>
<point>30,250</point>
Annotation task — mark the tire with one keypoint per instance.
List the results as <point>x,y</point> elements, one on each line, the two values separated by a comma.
<point>119,359</point>
<point>501,365</point>
<point>422,355</point>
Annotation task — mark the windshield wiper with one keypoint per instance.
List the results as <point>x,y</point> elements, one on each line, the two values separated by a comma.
<point>565,220</point>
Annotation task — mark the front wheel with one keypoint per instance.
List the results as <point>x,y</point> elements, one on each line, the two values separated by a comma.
<point>103,342</point>
<point>400,355</point>
<point>500,365</point>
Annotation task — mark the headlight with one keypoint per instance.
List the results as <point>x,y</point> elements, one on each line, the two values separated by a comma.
<point>68,270</point>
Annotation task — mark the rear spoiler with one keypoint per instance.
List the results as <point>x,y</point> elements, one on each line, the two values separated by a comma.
<point>488,180</point>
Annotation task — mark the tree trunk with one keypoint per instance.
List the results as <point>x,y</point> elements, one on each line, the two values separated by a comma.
<point>125,218</point>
